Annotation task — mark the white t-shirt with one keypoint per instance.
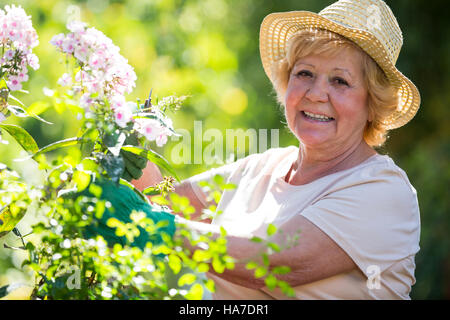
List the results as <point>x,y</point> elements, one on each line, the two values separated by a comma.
<point>370,211</point>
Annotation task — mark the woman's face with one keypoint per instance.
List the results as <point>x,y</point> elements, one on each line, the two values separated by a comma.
<point>326,100</point>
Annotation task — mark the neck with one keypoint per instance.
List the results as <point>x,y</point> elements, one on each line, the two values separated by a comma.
<point>311,165</point>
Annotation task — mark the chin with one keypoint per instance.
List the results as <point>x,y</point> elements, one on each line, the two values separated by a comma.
<point>312,138</point>
<point>312,142</point>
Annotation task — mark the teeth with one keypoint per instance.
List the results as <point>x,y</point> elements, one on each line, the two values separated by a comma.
<point>317,116</point>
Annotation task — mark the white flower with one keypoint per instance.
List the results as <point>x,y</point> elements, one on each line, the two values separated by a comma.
<point>65,80</point>
<point>86,101</point>
<point>9,54</point>
<point>123,116</point>
<point>117,101</point>
<point>14,83</point>
<point>76,26</point>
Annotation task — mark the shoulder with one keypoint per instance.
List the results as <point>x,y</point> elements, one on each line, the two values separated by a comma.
<point>371,211</point>
<point>376,179</point>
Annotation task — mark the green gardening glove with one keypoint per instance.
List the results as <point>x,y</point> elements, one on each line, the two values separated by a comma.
<point>123,201</point>
<point>134,164</point>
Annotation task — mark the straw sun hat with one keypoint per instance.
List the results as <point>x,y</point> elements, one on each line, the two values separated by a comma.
<point>368,23</point>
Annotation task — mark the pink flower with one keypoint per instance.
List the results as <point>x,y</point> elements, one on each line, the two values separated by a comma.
<point>161,139</point>
<point>14,83</point>
<point>81,52</point>
<point>117,102</point>
<point>33,61</point>
<point>9,54</point>
<point>148,128</point>
<point>23,76</point>
<point>106,71</point>
<point>68,46</point>
<point>123,116</point>
<point>96,61</point>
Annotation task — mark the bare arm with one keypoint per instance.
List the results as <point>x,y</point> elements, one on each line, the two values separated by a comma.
<point>315,257</point>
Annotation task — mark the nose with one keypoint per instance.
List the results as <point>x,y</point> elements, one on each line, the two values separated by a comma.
<point>317,92</point>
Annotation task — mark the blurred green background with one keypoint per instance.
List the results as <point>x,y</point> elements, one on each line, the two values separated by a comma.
<point>208,49</point>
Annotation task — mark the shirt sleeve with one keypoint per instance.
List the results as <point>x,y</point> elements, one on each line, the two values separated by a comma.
<point>226,171</point>
<point>375,220</point>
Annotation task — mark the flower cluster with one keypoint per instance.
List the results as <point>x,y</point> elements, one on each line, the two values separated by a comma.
<point>154,129</point>
<point>103,79</point>
<point>104,72</point>
<point>17,38</point>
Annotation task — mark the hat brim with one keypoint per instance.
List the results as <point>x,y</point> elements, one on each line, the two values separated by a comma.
<point>278,28</point>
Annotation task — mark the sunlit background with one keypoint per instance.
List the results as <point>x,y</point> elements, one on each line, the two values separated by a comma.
<point>208,49</point>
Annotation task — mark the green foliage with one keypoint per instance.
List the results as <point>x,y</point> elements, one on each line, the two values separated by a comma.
<point>263,268</point>
<point>15,198</point>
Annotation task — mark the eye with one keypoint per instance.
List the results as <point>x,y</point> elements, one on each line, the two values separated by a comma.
<point>304,73</point>
<point>340,81</point>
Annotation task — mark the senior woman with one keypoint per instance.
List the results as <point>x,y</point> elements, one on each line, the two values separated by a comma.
<point>358,215</point>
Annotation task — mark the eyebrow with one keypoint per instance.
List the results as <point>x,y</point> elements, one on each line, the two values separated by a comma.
<point>344,70</point>
<point>338,69</point>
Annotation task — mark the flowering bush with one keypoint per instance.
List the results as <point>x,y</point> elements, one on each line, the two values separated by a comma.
<point>89,247</point>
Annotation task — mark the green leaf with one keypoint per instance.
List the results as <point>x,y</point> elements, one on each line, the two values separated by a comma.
<point>256,239</point>
<point>15,99</point>
<point>195,293</point>
<point>53,146</point>
<point>17,111</point>
<point>271,229</point>
<point>270,281</point>
<point>8,220</point>
<point>229,186</point>
<point>22,113</point>
<point>202,267</point>
<point>218,179</point>
<point>151,191</point>
<point>281,270</point>
<point>260,272</point>
<point>37,107</point>
<point>174,263</point>
<point>218,265</point>
<point>265,257</point>
<point>286,288</point>
<point>82,179</point>
<point>21,136</point>
<point>274,246</point>
<point>186,279</point>
<point>209,284</point>
<point>201,255</point>
<point>5,290</point>
<point>251,265</point>
<point>153,157</point>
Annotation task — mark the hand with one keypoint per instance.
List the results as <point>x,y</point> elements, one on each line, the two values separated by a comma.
<point>134,164</point>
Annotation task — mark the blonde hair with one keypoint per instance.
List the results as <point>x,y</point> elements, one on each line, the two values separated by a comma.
<point>382,96</point>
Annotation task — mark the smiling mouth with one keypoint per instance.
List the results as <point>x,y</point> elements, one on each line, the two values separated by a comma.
<point>316,117</point>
